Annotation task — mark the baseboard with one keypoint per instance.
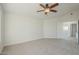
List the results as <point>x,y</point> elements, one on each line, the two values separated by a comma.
<point>1,49</point>
<point>50,37</point>
<point>14,43</point>
<point>19,42</point>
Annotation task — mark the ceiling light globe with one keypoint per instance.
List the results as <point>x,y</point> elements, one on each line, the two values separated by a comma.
<point>47,10</point>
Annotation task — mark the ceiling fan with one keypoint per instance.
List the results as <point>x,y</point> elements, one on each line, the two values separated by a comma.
<point>46,8</point>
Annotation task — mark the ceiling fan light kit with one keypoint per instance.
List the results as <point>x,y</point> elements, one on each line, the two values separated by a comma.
<point>46,8</point>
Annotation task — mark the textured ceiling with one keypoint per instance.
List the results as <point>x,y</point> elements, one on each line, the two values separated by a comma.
<point>30,9</point>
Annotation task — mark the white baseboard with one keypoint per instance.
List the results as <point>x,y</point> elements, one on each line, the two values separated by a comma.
<point>1,48</point>
<point>19,42</point>
<point>14,43</point>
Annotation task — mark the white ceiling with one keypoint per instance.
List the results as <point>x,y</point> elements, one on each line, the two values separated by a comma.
<point>30,9</point>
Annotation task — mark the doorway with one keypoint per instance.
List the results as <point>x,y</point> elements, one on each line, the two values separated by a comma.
<point>73,30</point>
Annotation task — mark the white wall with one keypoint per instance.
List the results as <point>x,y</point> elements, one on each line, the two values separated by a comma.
<point>67,18</point>
<point>53,28</point>
<point>0,30</point>
<point>50,28</point>
<point>1,39</point>
<point>21,28</point>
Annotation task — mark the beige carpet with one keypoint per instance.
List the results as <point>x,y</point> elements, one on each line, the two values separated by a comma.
<point>43,47</point>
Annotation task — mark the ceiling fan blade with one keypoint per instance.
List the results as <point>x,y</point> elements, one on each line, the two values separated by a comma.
<point>53,10</point>
<point>42,5</point>
<point>46,5</point>
<point>40,10</point>
<point>54,5</point>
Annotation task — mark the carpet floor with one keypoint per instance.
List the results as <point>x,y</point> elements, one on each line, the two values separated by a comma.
<point>49,46</point>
